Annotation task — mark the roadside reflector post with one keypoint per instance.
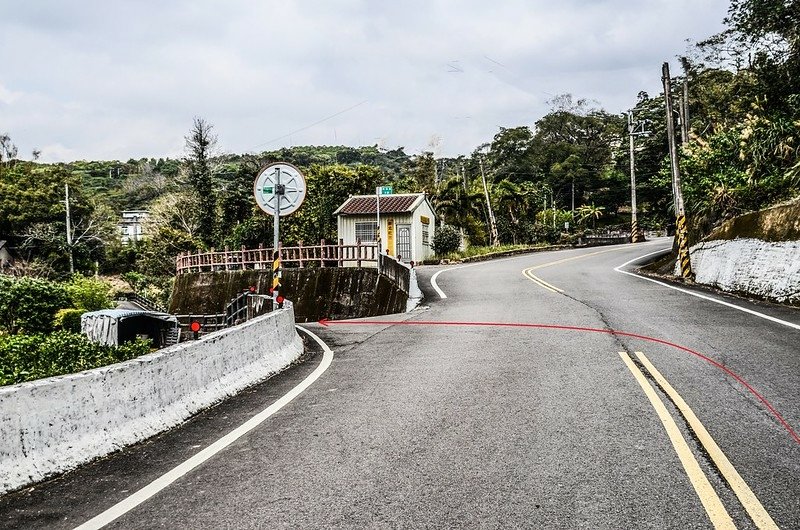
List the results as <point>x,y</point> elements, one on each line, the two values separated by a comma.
<point>195,327</point>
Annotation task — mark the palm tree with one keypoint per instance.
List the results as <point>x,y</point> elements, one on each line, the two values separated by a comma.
<point>590,211</point>
<point>458,206</point>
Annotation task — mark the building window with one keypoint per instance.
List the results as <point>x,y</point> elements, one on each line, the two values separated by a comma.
<point>426,234</point>
<point>367,232</point>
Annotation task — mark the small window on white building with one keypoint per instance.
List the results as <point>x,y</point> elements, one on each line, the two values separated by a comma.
<point>426,240</point>
<point>367,232</point>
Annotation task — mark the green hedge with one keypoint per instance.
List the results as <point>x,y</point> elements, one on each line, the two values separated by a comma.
<point>29,357</point>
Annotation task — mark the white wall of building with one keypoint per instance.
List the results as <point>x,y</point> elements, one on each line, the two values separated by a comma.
<point>53,425</point>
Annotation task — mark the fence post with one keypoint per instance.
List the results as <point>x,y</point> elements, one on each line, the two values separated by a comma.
<point>260,259</point>
<point>322,251</point>
<point>244,258</point>
<point>210,259</point>
<point>339,251</point>
<point>358,252</point>
<point>300,252</point>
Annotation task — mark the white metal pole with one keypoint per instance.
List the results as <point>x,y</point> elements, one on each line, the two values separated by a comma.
<point>378,214</point>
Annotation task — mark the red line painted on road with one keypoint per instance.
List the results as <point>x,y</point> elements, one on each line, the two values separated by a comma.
<point>709,360</point>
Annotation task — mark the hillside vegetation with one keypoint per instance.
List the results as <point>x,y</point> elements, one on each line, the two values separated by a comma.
<point>740,155</point>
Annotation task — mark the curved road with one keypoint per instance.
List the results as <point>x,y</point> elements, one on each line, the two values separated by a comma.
<point>546,390</point>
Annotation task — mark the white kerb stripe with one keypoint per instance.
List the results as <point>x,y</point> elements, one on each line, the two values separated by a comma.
<point>182,469</point>
<point>704,297</point>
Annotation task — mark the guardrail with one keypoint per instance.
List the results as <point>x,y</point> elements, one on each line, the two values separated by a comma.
<point>325,255</point>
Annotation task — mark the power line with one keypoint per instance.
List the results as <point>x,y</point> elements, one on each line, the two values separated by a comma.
<point>348,109</point>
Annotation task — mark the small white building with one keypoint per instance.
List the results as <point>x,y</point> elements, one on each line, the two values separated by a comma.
<point>407,224</point>
<point>131,226</point>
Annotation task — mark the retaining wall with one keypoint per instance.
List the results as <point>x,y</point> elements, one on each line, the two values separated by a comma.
<point>53,425</point>
<point>331,292</point>
<point>769,270</point>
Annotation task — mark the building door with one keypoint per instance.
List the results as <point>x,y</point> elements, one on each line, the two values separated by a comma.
<point>403,242</point>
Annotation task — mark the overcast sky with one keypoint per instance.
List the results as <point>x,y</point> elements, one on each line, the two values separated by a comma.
<point>119,80</point>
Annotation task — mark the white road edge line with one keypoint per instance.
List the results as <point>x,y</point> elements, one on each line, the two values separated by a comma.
<point>698,295</point>
<point>436,285</point>
<point>182,469</point>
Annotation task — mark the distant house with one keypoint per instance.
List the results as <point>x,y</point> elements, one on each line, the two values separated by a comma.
<point>407,224</point>
<point>131,226</point>
<point>6,260</point>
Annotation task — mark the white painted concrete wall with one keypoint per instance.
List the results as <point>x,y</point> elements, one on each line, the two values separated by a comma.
<point>769,270</point>
<point>53,425</point>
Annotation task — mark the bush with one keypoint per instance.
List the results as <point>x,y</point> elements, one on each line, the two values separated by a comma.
<point>69,320</point>
<point>89,294</point>
<point>29,304</point>
<point>29,357</point>
<point>446,240</point>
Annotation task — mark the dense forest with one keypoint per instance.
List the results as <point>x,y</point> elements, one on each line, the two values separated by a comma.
<point>739,152</point>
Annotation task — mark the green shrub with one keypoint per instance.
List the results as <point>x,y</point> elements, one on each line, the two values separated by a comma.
<point>29,304</point>
<point>447,239</point>
<point>89,294</point>
<point>69,319</point>
<point>29,357</point>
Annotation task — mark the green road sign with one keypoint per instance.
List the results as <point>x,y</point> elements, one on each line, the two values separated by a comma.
<point>386,190</point>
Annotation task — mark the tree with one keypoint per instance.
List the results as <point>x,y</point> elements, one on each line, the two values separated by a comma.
<point>200,144</point>
<point>8,151</point>
<point>590,211</point>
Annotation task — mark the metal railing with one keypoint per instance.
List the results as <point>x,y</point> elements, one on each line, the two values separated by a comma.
<point>141,301</point>
<point>246,305</point>
<point>324,255</point>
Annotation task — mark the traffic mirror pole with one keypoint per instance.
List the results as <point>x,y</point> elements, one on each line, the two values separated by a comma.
<point>276,234</point>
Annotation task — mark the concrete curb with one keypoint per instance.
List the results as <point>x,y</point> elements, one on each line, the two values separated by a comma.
<point>54,425</point>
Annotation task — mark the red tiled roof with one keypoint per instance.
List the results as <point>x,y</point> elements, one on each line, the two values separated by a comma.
<point>365,204</point>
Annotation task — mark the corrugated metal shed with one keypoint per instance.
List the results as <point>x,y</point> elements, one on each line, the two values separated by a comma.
<point>115,326</point>
<point>366,204</point>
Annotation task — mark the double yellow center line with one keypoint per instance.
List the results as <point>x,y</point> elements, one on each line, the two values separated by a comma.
<point>528,273</point>
<point>708,497</point>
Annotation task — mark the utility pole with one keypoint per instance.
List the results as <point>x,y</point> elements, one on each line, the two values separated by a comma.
<point>69,230</point>
<point>573,196</point>
<point>492,222</point>
<point>685,113</point>
<point>680,212</point>
<point>636,232</point>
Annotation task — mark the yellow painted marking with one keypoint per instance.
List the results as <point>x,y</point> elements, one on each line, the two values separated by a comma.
<point>746,496</point>
<point>541,283</point>
<point>711,502</point>
<point>535,279</point>
<point>564,260</point>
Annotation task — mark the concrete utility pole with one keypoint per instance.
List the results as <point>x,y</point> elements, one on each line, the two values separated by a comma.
<point>492,222</point>
<point>69,230</point>
<point>636,233</point>
<point>685,113</point>
<point>680,212</point>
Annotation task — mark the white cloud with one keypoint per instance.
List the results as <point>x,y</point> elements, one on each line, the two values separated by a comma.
<point>121,80</point>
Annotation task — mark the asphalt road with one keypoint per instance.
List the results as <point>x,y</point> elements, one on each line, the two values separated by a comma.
<point>506,404</point>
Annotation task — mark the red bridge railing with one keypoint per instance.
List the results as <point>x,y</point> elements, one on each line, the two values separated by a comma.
<point>324,255</point>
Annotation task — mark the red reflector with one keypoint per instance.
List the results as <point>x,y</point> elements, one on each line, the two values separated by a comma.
<point>195,326</point>
<point>271,290</point>
<point>279,299</point>
<point>252,289</point>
